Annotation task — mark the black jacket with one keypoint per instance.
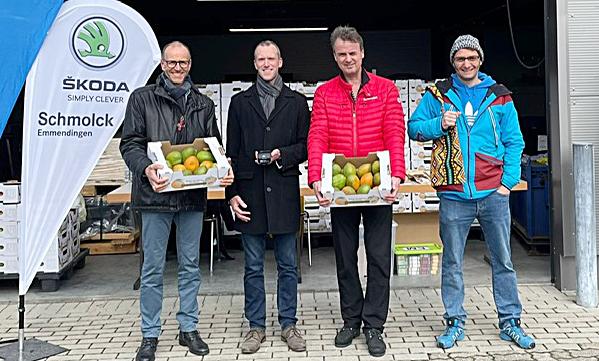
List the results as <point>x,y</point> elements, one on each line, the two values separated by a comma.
<point>152,115</point>
<point>272,194</point>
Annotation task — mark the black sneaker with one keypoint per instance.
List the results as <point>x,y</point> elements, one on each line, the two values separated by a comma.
<point>345,336</point>
<point>375,342</point>
<point>147,350</point>
<point>194,342</point>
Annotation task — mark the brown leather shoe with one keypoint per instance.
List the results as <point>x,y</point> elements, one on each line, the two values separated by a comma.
<point>252,341</point>
<point>293,337</point>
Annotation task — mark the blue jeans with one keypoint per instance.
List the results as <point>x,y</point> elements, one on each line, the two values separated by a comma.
<point>493,214</point>
<point>253,280</point>
<point>156,227</point>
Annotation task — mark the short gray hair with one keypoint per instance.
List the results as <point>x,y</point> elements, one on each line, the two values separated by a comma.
<point>174,43</point>
<point>267,43</point>
<point>346,33</point>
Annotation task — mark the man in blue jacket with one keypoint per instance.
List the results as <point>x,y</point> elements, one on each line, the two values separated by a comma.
<point>475,163</point>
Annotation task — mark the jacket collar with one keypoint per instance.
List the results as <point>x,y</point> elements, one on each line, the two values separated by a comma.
<point>282,100</point>
<point>348,87</point>
<point>195,101</point>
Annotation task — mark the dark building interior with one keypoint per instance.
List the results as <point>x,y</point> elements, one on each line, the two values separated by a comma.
<point>403,39</point>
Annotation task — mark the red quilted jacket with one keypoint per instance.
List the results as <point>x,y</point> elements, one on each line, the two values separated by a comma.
<point>375,121</point>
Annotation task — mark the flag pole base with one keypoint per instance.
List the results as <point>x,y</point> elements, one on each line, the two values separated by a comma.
<point>33,350</point>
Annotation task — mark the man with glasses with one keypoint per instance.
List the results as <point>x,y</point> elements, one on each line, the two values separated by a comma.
<point>266,140</point>
<point>172,109</point>
<point>475,162</point>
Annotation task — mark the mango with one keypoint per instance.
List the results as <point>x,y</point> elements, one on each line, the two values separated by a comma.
<point>348,190</point>
<point>200,171</point>
<point>349,169</point>
<point>205,154</point>
<point>188,152</point>
<point>376,167</point>
<point>187,172</point>
<point>367,179</point>
<point>191,163</point>
<point>353,181</point>
<point>336,169</point>
<point>174,157</point>
<point>339,181</point>
<point>179,168</point>
<point>207,163</point>
<point>377,179</point>
<point>363,169</point>
<point>364,189</point>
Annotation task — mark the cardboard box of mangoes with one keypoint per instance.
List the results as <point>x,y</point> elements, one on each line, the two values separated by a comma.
<point>361,181</point>
<point>200,164</point>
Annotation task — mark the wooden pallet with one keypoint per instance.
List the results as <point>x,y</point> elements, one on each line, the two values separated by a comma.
<point>112,243</point>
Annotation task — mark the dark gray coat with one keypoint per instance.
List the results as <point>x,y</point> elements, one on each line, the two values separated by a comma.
<point>151,116</point>
<point>272,194</point>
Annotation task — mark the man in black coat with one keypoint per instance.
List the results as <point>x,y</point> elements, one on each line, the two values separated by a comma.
<point>172,109</point>
<point>266,140</point>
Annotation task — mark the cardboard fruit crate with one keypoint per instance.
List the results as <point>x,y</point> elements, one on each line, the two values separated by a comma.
<point>157,152</point>
<point>375,195</point>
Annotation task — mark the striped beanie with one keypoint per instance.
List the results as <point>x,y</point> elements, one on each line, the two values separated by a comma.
<point>466,42</point>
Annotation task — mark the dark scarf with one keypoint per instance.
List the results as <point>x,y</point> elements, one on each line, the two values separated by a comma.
<point>268,93</point>
<point>177,92</point>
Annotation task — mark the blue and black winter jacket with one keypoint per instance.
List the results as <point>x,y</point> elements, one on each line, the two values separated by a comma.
<point>491,148</point>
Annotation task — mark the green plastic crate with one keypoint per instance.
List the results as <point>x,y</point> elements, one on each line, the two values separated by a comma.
<point>417,248</point>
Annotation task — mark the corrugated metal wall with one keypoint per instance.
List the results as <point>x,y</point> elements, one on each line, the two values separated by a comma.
<point>583,56</point>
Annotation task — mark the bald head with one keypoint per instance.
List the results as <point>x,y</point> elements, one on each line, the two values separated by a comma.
<point>174,44</point>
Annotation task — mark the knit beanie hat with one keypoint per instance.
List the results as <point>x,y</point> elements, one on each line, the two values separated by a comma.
<point>465,42</point>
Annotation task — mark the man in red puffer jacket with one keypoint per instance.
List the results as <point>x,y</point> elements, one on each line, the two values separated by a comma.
<point>354,114</point>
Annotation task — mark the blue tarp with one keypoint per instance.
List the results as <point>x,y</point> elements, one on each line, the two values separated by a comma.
<point>23,27</point>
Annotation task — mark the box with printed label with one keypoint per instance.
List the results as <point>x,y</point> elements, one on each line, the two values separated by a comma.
<point>9,247</point>
<point>227,90</point>
<point>421,164</point>
<point>402,86</point>
<point>9,229</point>
<point>403,204</point>
<point>425,202</point>
<point>421,152</point>
<point>10,192</point>
<point>10,212</point>
<point>55,259</point>
<point>212,91</point>
<point>200,164</point>
<point>354,182</point>
<point>9,264</point>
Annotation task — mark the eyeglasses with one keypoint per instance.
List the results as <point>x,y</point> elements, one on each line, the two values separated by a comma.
<point>471,59</point>
<point>171,64</point>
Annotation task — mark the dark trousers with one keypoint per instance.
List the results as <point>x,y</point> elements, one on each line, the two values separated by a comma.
<point>356,309</point>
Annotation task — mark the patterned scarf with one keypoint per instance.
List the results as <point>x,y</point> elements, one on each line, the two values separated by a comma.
<point>177,92</point>
<point>447,164</point>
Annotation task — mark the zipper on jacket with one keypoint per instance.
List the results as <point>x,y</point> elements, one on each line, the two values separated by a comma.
<point>355,124</point>
<point>468,170</point>
<point>355,133</point>
<point>494,126</point>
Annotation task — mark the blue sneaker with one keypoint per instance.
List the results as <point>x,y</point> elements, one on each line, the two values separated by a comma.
<point>453,332</point>
<point>511,331</point>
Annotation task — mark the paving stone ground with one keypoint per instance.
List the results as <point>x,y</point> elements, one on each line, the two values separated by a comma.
<point>108,329</point>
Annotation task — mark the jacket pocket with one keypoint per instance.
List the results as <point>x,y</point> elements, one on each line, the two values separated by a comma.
<point>488,172</point>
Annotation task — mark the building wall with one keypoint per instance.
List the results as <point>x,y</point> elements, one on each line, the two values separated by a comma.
<point>574,101</point>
